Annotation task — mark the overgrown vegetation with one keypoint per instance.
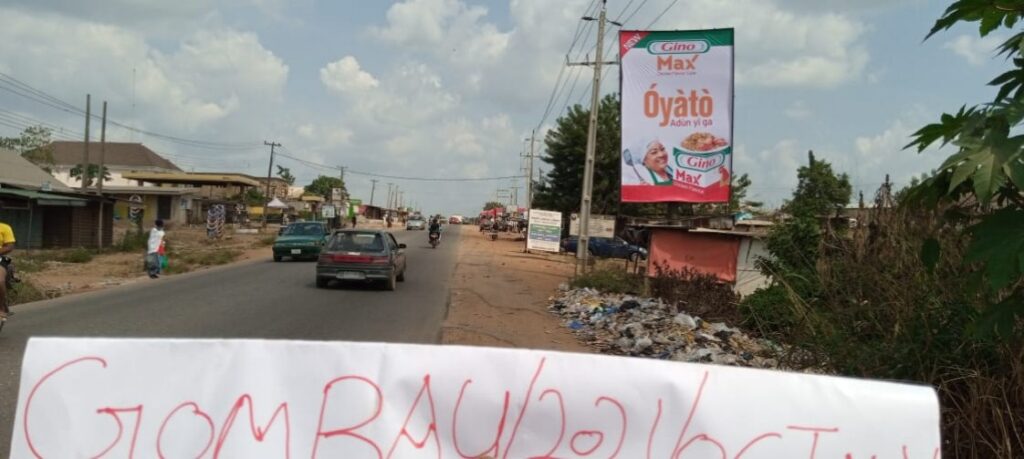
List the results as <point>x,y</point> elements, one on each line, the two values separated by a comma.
<point>695,293</point>
<point>25,292</point>
<point>610,280</point>
<point>188,260</point>
<point>132,241</point>
<point>75,255</point>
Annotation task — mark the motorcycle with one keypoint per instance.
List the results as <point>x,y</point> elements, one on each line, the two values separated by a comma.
<point>435,239</point>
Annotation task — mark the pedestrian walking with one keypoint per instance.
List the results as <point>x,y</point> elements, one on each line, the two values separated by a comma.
<point>153,248</point>
<point>354,219</point>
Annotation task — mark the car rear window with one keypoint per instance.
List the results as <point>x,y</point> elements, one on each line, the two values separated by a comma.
<point>304,230</point>
<point>358,242</point>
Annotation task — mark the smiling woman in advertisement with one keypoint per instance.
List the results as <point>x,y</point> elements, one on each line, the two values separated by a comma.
<point>650,169</point>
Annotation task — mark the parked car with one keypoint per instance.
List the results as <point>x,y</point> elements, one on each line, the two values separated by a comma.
<point>608,247</point>
<point>362,256</point>
<point>301,240</point>
<point>415,224</point>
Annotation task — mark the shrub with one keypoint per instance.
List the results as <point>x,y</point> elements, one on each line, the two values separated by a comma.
<point>695,293</point>
<point>870,307</point>
<point>76,255</point>
<point>769,311</point>
<point>24,292</point>
<point>133,241</point>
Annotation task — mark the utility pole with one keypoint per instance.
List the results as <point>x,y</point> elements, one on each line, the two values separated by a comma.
<point>85,157</point>
<point>582,252</point>
<point>515,196</point>
<point>373,188</point>
<point>99,184</point>
<point>387,204</point>
<point>270,167</point>
<point>529,189</point>
<point>342,174</point>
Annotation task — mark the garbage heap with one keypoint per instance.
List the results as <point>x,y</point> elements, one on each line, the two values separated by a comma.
<point>648,327</point>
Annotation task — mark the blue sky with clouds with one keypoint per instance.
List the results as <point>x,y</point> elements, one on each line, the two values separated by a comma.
<point>449,88</point>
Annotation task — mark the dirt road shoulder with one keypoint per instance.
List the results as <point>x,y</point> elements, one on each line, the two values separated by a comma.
<point>499,296</point>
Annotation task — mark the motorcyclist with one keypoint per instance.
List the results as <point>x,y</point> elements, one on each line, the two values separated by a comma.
<point>435,228</point>
<point>6,247</point>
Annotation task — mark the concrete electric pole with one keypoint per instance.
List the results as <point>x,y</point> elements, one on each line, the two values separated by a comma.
<point>582,252</point>
<point>373,187</point>
<point>270,168</point>
<point>85,157</point>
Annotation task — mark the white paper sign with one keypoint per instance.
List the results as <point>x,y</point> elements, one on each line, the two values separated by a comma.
<point>256,399</point>
<point>599,226</point>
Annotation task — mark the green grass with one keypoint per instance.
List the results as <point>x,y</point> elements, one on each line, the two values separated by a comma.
<point>76,255</point>
<point>25,292</point>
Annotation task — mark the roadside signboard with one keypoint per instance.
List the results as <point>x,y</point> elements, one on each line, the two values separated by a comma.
<point>82,397</point>
<point>327,211</point>
<point>600,226</point>
<point>335,194</point>
<point>545,231</point>
<point>677,115</point>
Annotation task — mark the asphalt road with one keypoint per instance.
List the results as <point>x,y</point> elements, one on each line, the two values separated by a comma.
<point>259,299</point>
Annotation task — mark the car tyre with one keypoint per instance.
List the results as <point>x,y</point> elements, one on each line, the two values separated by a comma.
<point>401,276</point>
<point>634,257</point>
<point>321,282</point>
<point>391,283</point>
<point>277,258</point>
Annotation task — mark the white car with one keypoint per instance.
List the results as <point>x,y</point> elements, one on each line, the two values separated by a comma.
<point>416,224</point>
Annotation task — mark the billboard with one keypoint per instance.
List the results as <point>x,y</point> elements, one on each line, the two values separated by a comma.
<point>545,230</point>
<point>677,113</point>
<point>599,226</point>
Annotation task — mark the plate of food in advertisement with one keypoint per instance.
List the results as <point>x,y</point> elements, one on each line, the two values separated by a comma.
<point>703,142</point>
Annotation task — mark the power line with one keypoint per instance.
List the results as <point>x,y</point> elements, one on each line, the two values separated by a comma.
<point>556,90</point>
<point>670,5</point>
<point>18,87</point>
<point>316,165</point>
<point>637,10</point>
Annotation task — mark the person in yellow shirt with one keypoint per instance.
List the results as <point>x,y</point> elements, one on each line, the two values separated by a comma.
<point>6,247</point>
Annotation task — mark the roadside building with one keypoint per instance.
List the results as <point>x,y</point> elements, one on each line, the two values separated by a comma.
<point>46,213</point>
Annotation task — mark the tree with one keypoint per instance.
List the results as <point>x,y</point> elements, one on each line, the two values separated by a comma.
<point>493,205</point>
<point>91,174</point>
<point>34,144</point>
<point>286,174</point>
<point>737,199</point>
<point>819,191</point>
<point>566,144</point>
<point>561,187</point>
<point>253,196</point>
<point>986,172</point>
<point>323,185</point>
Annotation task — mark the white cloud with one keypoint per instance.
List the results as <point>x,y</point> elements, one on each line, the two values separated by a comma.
<point>346,76</point>
<point>449,29</point>
<point>975,50</point>
<point>798,110</point>
<point>778,47</point>
<point>210,75</point>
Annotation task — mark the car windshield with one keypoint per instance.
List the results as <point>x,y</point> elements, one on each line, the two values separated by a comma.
<point>358,242</point>
<point>304,230</point>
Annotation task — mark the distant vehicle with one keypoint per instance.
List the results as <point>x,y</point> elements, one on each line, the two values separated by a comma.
<point>415,224</point>
<point>301,240</point>
<point>362,256</point>
<point>607,247</point>
<point>455,219</point>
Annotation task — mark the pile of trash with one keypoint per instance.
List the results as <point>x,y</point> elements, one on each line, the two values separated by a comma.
<point>631,325</point>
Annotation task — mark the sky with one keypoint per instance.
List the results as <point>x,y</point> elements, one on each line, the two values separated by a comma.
<point>450,89</point>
